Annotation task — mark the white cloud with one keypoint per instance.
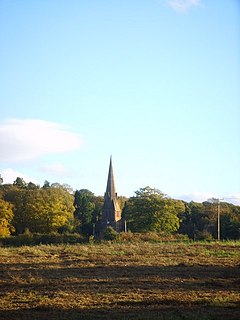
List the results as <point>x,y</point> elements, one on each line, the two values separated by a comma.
<point>183,5</point>
<point>197,196</point>
<point>9,175</point>
<point>233,198</point>
<point>28,139</point>
<point>204,196</point>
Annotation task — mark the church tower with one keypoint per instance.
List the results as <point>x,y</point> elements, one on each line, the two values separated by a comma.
<point>111,213</point>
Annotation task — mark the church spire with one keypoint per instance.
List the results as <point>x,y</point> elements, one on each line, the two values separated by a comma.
<point>111,213</point>
<point>111,190</point>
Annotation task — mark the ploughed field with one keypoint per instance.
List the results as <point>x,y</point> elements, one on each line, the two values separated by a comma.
<point>121,281</point>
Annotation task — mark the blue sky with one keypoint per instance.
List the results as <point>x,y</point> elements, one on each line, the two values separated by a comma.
<point>154,83</point>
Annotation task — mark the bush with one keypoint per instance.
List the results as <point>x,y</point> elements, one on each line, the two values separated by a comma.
<point>17,241</point>
<point>110,234</point>
<point>150,237</point>
<point>204,235</point>
<point>35,239</point>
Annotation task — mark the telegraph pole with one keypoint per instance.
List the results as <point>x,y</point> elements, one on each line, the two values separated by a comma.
<point>125,225</point>
<point>217,201</point>
<point>218,220</point>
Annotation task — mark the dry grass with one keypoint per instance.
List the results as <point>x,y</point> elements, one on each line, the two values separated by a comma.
<point>121,281</point>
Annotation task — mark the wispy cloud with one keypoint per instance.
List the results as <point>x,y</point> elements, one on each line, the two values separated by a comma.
<point>183,5</point>
<point>9,175</point>
<point>28,139</point>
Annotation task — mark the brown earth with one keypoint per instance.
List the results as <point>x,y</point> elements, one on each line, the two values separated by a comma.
<point>121,281</point>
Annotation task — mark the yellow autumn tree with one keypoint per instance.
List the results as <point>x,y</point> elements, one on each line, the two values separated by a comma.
<point>6,217</point>
<point>42,210</point>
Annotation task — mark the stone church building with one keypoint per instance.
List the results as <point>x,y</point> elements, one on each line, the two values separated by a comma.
<point>111,213</point>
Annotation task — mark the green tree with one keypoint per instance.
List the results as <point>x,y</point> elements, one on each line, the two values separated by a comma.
<point>194,220</point>
<point>98,202</point>
<point>32,186</point>
<point>63,186</point>
<point>20,183</point>
<point>199,220</point>
<point>46,184</point>
<point>185,217</point>
<point>151,210</point>
<point>229,219</point>
<point>84,210</point>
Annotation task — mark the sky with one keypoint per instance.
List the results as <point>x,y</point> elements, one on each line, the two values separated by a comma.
<point>154,83</point>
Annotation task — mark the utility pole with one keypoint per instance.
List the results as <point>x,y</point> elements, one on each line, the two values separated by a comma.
<point>217,201</point>
<point>125,225</point>
<point>218,220</point>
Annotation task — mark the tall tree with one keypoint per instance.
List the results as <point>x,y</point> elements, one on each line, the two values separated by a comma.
<point>84,210</point>
<point>194,220</point>
<point>151,210</point>
<point>98,202</point>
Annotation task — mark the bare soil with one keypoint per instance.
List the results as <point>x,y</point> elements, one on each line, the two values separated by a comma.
<point>121,281</point>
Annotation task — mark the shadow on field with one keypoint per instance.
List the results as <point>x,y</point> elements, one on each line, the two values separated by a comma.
<point>162,312</point>
<point>156,286</point>
<point>114,278</point>
<point>61,271</point>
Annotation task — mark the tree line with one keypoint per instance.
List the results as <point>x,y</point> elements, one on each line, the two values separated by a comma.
<point>55,208</point>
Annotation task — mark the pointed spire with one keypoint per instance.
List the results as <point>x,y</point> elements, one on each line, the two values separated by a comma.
<point>110,190</point>
<point>111,213</point>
